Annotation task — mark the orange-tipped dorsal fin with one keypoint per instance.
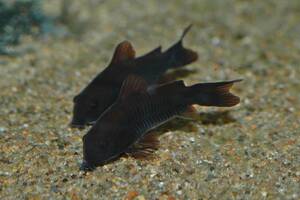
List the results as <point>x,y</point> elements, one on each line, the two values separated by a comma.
<point>132,84</point>
<point>123,52</point>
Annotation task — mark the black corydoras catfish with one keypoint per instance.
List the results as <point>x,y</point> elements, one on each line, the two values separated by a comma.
<point>103,90</point>
<point>137,110</point>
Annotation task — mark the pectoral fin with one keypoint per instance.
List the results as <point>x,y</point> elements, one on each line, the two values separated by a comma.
<point>191,112</point>
<point>145,147</point>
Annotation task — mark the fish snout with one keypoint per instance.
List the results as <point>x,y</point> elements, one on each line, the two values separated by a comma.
<point>77,124</point>
<point>80,124</point>
<point>91,123</point>
<point>85,166</point>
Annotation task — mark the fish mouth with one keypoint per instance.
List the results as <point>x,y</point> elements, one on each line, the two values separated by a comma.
<point>81,125</point>
<point>91,123</point>
<point>77,125</point>
<point>85,166</point>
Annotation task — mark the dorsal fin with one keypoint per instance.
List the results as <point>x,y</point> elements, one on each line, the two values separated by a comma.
<point>124,51</point>
<point>132,84</point>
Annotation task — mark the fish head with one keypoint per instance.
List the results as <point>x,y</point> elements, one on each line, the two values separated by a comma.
<point>108,138</point>
<point>85,111</point>
<point>98,147</point>
<point>88,106</point>
<point>93,152</point>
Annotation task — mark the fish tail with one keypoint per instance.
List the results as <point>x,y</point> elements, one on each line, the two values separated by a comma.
<point>212,94</point>
<point>179,56</point>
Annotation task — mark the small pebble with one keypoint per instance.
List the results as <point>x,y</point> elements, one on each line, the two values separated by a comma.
<point>2,130</point>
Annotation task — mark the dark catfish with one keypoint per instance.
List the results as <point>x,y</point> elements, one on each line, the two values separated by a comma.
<point>138,110</point>
<point>103,90</point>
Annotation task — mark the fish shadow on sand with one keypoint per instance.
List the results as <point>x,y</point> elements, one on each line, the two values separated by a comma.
<point>189,124</point>
<point>216,118</point>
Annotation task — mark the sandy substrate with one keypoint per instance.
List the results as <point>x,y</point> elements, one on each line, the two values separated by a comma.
<point>251,151</point>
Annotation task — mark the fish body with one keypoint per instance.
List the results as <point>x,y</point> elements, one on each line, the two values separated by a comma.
<point>139,109</point>
<point>103,90</point>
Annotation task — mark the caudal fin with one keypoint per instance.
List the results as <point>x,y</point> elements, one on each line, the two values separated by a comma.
<point>213,94</point>
<point>177,55</point>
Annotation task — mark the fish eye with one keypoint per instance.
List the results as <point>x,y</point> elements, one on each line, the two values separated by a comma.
<point>93,105</point>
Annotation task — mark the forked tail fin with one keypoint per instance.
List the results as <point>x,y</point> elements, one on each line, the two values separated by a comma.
<point>213,94</point>
<point>177,55</point>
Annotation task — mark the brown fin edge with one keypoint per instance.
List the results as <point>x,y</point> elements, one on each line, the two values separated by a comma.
<point>124,51</point>
<point>132,84</point>
<point>144,149</point>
